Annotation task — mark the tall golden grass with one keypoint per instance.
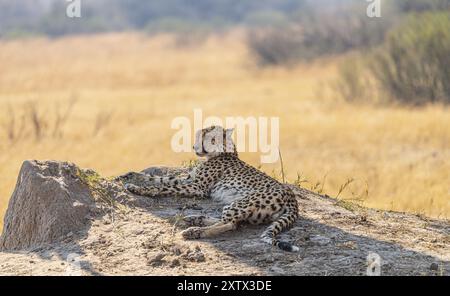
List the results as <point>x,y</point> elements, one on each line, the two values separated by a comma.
<point>125,89</point>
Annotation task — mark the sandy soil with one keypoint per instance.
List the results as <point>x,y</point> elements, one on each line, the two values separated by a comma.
<point>140,236</point>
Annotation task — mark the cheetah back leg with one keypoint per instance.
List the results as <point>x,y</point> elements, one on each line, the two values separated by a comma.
<point>284,222</point>
<point>208,231</point>
<point>232,215</point>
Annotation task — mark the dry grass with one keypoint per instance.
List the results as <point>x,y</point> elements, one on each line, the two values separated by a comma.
<point>129,87</point>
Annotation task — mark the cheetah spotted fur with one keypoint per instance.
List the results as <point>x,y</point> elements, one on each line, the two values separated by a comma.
<point>249,194</point>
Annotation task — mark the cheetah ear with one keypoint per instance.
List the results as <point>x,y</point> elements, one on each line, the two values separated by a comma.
<point>229,131</point>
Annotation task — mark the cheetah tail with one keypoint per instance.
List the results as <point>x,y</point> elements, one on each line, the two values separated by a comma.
<point>284,222</point>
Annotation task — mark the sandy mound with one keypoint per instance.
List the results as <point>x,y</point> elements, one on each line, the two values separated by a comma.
<point>49,202</point>
<point>64,220</point>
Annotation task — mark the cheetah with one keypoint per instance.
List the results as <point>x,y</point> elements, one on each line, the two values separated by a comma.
<point>250,195</point>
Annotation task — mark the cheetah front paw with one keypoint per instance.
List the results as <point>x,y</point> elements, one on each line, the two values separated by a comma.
<point>144,191</point>
<point>192,233</point>
<point>132,188</point>
<point>194,220</point>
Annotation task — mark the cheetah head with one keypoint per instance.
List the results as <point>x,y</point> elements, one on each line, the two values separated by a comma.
<point>213,141</point>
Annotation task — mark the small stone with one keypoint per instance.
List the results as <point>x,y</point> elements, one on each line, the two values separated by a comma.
<point>200,257</point>
<point>175,263</point>
<point>156,260</point>
<point>434,266</point>
<point>158,257</point>
<point>195,256</point>
<point>176,251</point>
<point>269,259</point>
<point>277,270</point>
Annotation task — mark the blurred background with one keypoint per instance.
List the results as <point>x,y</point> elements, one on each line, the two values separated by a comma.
<point>363,101</point>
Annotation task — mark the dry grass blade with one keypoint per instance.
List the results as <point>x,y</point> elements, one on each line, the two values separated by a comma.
<point>282,166</point>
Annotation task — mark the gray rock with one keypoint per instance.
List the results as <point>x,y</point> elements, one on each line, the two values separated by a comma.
<point>434,266</point>
<point>49,202</point>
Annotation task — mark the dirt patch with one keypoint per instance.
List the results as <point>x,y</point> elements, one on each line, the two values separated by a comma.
<point>140,236</point>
